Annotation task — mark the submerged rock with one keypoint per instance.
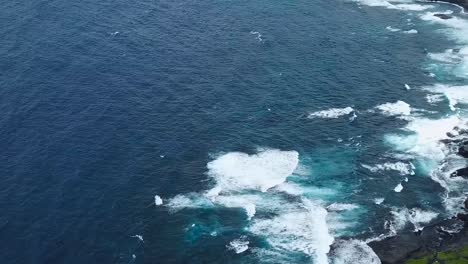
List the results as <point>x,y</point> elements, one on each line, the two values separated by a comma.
<point>463,150</point>
<point>443,16</point>
<point>463,217</point>
<point>460,173</point>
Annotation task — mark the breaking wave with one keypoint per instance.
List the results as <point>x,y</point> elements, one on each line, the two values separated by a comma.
<point>288,222</point>
<point>332,113</point>
<point>399,108</point>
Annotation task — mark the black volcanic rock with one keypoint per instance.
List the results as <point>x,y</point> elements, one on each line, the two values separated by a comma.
<point>397,248</point>
<point>463,150</point>
<point>443,16</point>
<point>460,173</point>
<point>463,217</point>
<point>446,235</point>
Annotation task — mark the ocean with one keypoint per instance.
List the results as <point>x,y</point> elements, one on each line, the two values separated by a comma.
<point>157,131</point>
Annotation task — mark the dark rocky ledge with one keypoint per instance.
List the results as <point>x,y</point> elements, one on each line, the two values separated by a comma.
<point>463,150</point>
<point>410,247</point>
<point>460,173</point>
<point>443,16</point>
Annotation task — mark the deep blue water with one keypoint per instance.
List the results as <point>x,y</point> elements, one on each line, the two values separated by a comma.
<point>105,104</point>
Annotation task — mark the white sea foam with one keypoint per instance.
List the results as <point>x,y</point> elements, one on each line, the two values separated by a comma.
<point>414,7</point>
<point>424,144</point>
<point>381,3</point>
<point>455,94</point>
<point>332,113</point>
<point>140,237</point>
<point>434,98</point>
<point>424,140</point>
<point>398,188</point>
<point>431,131</point>
<point>353,252</point>
<point>456,28</point>
<point>455,186</point>
<point>290,188</point>
<point>296,226</point>
<point>237,171</point>
<point>396,4</point>
<point>277,209</point>
<point>415,216</point>
<point>157,200</point>
<point>239,245</point>
<point>452,202</point>
<point>191,200</point>
<point>272,256</point>
<point>259,36</point>
<point>411,31</point>
<point>306,190</point>
<point>401,167</point>
<point>252,202</point>
<point>341,207</point>
<point>250,210</point>
<point>392,29</point>
<point>424,135</point>
<point>245,201</point>
<point>399,108</point>
<point>379,200</point>
<point>305,230</point>
<point>287,225</point>
<point>448,56</point>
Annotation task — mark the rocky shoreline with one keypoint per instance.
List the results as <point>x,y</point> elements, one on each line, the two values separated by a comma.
<point>424,246</point>
<point>442,242</point>
<point>436,242</point>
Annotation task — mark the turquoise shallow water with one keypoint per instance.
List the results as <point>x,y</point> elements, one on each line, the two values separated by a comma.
<point>107,104</point>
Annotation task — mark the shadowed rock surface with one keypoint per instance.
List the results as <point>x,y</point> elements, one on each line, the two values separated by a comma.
<point>463,150</point>
<point>443,16</point>
<point>447,235</point>
<point>460,173</point>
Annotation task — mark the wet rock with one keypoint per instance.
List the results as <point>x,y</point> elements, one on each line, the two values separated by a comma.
<point>463,150</point>
<point>463,217</point>
<point>445,235</point>
<point>460,173</point>
<point>397,248</point>
<point>443,16</point>
<point>451,135</point>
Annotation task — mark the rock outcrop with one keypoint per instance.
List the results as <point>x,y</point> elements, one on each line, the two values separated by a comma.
<point>447,235</point>
<point>443,16</point>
